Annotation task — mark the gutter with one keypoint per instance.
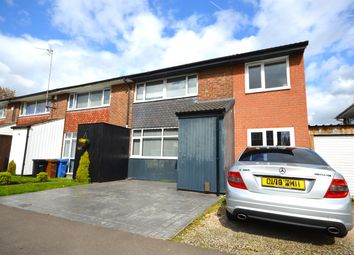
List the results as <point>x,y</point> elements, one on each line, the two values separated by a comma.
<point>24,155</point>
<point>128,104</point>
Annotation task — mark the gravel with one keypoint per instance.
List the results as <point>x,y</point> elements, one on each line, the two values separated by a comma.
<point>215,231</point>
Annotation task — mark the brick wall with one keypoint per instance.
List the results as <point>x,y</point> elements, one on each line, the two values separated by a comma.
<point>119,105</point>
<point>27,120</point>
<point>12,112</point>
<point>284,108</point>
<point>74,118</point>
<point>215,83</point>
<point>59,106</point>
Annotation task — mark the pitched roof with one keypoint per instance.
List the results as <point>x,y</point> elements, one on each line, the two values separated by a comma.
<point>211,106</point>
<point>347,113</point>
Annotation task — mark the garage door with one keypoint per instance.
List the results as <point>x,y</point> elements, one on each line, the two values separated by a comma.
<point>338,151</point>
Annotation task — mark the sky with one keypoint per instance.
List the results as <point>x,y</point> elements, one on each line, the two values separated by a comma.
<point>101,39</point>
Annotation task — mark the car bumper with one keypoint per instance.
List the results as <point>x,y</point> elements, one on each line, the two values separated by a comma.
<point>319,213</point>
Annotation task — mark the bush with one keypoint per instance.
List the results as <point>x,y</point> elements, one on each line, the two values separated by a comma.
<point>82,174</point>
<point>42,177</point>
<point>5,178</point>
<point>12,167</point>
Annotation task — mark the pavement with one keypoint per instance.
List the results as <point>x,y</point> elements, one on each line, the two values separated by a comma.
<point>27,232</point>
<point>149,208</point>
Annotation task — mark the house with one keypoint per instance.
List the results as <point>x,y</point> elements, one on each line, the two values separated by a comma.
<point>335,143</point>
<point>188,123</point>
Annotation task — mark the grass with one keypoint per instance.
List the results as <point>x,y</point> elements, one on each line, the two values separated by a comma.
<point>25,184</point>
<point>214,208</point>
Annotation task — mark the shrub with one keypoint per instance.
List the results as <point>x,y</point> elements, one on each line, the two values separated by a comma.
<point>82,174</point>
<point>12,167</point>
<point>42,177</point>
<point>5,178</point>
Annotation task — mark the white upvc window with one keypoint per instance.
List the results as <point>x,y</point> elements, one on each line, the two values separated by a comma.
<point>69,149</point>
<point>271,137</point>
<point>172,87</point>
<point>267,75</point>
<point>34,108</point>
<point>87,100</point>
<point>155,143</point>
<point>3,111</point>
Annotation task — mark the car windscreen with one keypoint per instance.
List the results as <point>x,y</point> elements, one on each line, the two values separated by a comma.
<point>290,155</point>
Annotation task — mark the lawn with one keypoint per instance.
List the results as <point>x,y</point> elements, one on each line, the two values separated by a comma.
<point>24,184</point>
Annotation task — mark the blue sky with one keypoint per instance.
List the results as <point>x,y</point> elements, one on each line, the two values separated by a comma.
<point>99,39</point>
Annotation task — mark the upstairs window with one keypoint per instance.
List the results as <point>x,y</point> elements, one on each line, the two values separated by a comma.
<point>271,137</point>
<point>2,111</point>
<point>181,86</point>
<point>267,75</point>
<point>34,108</point>
<point>89,99</point>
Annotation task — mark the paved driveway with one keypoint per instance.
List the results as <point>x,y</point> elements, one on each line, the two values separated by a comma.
<point>149,208</point>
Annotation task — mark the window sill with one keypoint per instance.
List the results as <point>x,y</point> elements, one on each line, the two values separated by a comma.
<point>88,108</point>
<point>162,99</point>
<point>252,91</point>
<point>141,157</point>
<point>34,115</point>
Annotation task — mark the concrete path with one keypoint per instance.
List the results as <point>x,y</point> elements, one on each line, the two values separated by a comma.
<point>26,232</point>
<point>149,208</point>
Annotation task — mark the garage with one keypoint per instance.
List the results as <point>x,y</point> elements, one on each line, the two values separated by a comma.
<point>338,151</point>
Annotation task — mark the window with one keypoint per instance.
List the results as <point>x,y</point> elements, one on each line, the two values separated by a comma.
<point>34,108</point>
<point>155,143</point>
<point>175,87</point>
<point>288,155</point>
<point>89,99</point>
<point>2,111</point>
<point>272,74</point>
<point>69,149</point>
<point>271,137</point>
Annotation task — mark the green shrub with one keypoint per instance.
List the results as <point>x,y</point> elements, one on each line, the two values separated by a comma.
<point>82,174</point>
<point>42,177</point>
<point>5,178</point>
<point>12,167</point>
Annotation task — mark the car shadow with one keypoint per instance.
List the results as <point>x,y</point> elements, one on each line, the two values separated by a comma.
<point>276,230</point>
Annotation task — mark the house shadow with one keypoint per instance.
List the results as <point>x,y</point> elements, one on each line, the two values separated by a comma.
<point>276,230</point>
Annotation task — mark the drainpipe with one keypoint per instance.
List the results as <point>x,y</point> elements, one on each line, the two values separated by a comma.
<point>24,155</point>
<point>217,157</point>
<point>128,106</point>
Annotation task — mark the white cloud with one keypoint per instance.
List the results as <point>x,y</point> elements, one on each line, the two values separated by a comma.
<point>145,39</point>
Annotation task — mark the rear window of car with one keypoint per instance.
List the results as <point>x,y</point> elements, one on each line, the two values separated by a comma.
<point>289,155</point>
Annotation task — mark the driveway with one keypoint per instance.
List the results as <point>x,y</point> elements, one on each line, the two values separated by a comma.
<point>149,208</point>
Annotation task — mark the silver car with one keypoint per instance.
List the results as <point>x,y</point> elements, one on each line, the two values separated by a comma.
<point>289,185</point>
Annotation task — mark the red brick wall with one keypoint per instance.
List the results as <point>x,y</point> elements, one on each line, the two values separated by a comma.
<point>27,120</point>
<point>59,106</point>
<point>284,108</point>
<point>215,83</point>
<point>74,118</point>
<point>119,105</point>
<point>12,112</point>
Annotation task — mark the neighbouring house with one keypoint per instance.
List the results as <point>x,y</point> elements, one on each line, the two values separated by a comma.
<point>188,123</point>
<point>335,143</point>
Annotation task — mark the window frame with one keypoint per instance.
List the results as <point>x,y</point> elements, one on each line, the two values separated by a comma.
<point>4,108</point>
<point>275,137</point>
<point>262,63</point>
<point>164,90</point>
<point>69,158</point>
<point>24,105</point>
<point>75,95</point>
<point>141,138</point>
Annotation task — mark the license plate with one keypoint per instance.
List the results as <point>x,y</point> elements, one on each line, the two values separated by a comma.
<point>285,183</point>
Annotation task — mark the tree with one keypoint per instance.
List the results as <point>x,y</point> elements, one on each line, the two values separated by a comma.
<point>82,174</point>
<point>6,93</point>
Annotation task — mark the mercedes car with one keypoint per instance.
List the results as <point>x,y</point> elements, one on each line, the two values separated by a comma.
<point>289,185</point>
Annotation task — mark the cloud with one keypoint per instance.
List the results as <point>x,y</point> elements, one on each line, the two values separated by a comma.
<point>107,38</point>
